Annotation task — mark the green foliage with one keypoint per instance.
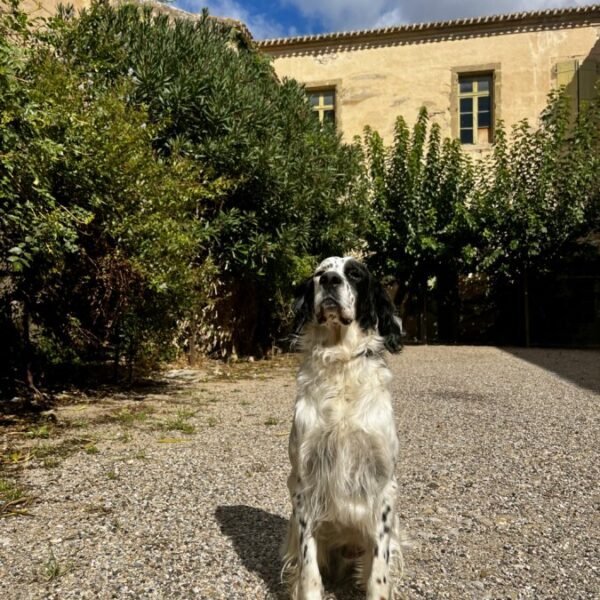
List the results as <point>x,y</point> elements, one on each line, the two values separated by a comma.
<point>271,174</point>
<point>160,188</point>
<point>418,209</point>
<point>153,173</point>
<point>436,217</point>
<point>96,228</point>
<point>538,191</point>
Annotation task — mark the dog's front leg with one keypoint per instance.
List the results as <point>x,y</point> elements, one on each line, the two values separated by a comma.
<point>309,584</point>
<point>379,586</point>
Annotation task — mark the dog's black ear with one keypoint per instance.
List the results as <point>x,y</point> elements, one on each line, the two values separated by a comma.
<point>304,305</point>
<point>388,325</point>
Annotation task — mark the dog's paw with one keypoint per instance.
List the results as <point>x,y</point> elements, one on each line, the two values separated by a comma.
<point>313,591</point>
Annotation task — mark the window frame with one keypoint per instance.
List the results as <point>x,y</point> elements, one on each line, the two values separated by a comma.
<point>334,85</point>
<point>321,107</point>
<point>475,95</point>
<point>488,69</point>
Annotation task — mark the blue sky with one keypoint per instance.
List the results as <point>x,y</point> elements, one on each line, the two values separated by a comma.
<point>278,18</point>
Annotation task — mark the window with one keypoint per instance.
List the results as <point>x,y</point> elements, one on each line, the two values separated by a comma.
<point>475,108</point>
<point>579,79</point>
<point>323,104</point>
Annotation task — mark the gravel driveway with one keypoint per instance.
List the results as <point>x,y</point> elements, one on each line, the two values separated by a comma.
<point>179,491</point>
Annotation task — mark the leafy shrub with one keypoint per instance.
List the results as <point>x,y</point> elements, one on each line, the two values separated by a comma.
<point>437,217</point>
<point>157,183</point>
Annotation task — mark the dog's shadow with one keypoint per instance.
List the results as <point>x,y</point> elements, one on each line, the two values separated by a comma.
<point>257,536</point>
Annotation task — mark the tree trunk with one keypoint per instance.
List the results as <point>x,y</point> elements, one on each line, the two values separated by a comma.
<point>192,341</point>
<point>117,354</point>
<point>526,308</point>
<point>424,312</point>
<point>132,351</point>
<point>28,353</point>
<point>27,358</point>
<point>448,305</point>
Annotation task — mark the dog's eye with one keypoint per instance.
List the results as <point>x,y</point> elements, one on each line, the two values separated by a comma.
<point>354,274</point>
<point>319,273</point>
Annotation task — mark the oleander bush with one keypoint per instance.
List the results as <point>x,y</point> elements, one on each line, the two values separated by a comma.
<point>159,188</point>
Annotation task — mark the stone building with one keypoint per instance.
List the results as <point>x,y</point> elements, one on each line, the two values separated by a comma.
<point>47,8</point>
<point>469,73</point>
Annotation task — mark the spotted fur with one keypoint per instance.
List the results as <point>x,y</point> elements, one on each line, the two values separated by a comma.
<point>343,444</point>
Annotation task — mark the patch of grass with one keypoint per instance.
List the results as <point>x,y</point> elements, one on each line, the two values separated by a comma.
<point>51,462</point>
<point>52,569</point>
<point>46,450</point>
<point>41,431</point>
<point>52,454</point>
<point>79,424</point>
<point>9,490</point>
<point>112,475</point>
<point>180,423</point>
<point>140,455</point>
<point>13,500</point>
<point>212,421</point>
<point>16,457</point>
<point>185,414</point>
<point>244,403</point>
<point>91,449</point>
<point>182,426</point>
<point>271,421</point>
<point>128,417</point>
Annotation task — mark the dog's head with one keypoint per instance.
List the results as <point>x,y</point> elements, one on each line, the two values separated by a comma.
<point>342,291</point>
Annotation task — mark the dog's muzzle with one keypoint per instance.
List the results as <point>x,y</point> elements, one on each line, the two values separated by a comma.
<point>330,311</point>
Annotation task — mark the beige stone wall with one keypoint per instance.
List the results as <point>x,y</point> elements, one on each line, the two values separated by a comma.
<point>46,8</point>
<point>375,83</point>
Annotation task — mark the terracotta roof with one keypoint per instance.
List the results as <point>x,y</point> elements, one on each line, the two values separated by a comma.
<point>591,11</point>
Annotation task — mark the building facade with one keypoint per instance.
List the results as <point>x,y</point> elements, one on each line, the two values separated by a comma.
<point>47,8</point>
<point>469,73</point>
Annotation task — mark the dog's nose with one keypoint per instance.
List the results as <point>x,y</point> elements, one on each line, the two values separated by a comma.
<point>330,279</point>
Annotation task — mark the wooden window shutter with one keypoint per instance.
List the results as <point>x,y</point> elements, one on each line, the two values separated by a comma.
<point>588,76</point>
<point>566,75</point>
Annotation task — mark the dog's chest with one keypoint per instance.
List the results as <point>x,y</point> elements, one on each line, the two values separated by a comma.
<point>344,417</point>
<point>340,397</point>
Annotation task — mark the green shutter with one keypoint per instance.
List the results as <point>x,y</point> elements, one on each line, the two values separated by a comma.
<point>566,75</point>
<point>588,76</point>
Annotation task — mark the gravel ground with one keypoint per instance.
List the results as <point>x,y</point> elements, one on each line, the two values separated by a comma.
<point>498,483</point>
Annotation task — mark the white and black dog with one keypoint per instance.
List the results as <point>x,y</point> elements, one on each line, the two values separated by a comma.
<point>343,444</point>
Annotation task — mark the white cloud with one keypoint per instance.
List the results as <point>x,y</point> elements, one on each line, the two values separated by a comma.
<point>260,25</point>
<point>344,15</point>
<point>389,18</point>
<point>347,15</point>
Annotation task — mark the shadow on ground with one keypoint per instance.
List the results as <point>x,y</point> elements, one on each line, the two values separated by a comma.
<point>581,367</point>
<point>257,536</point>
